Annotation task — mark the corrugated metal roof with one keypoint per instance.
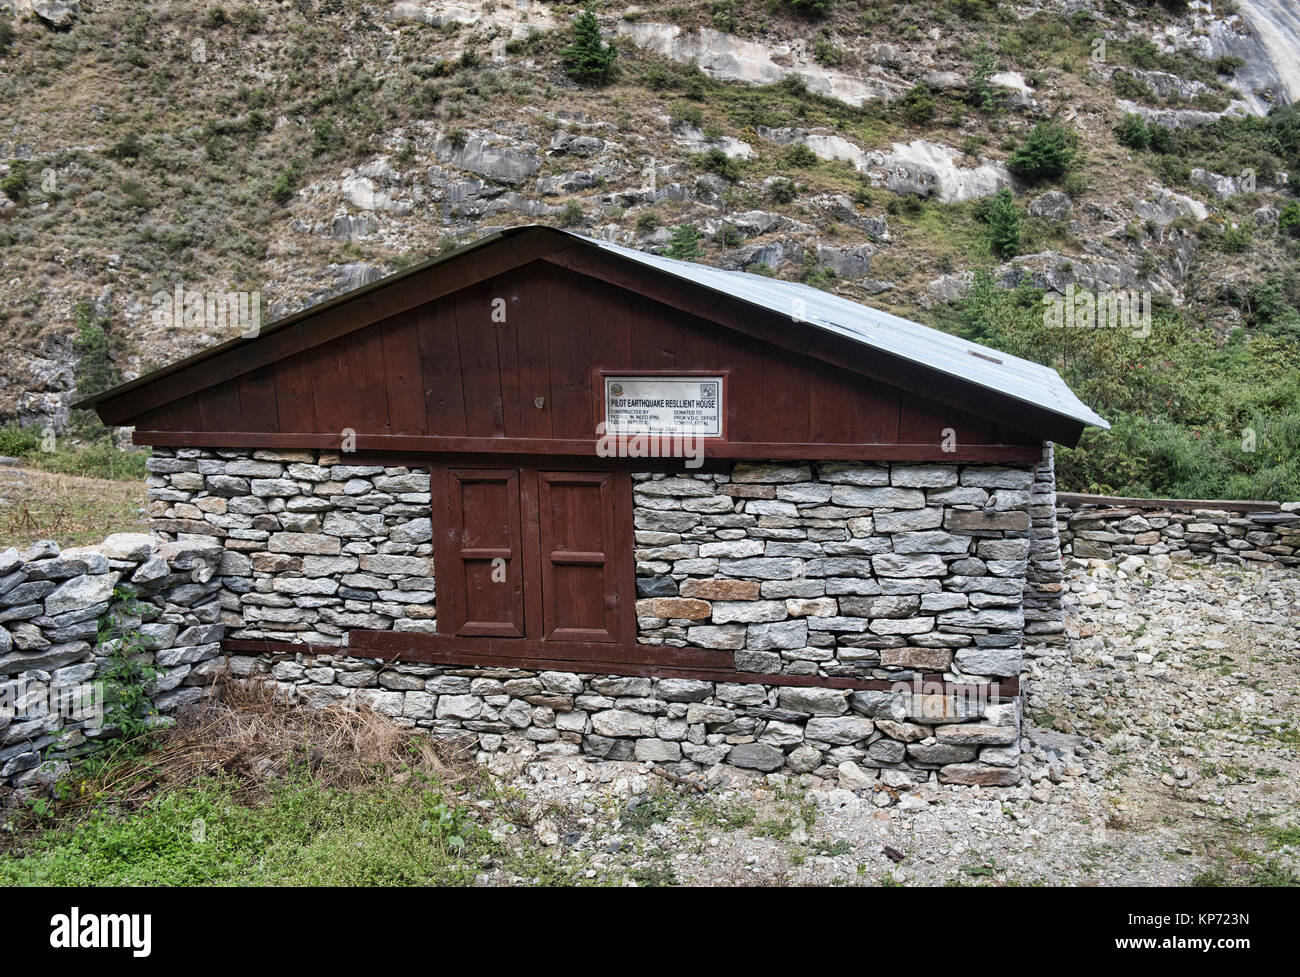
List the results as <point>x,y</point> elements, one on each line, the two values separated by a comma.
<point>1010,375</point>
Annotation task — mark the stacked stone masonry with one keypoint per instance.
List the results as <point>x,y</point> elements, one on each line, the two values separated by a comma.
<point>1180,533</point>
<point>834,569</point>
<point>164,594</point>
<point>868,571</point>
<point>1044,576</point>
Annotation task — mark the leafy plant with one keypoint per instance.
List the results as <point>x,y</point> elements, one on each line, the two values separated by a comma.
<point>783,191</point>
<point>1047,152</point>
<point>982,91</point>
<point>1132,131</point>
<point>811,8</point>
<point>1002,217</point>
<point>716,161</point>
<point>14,186</point>
<point>126,673</point>
<point>918,105</point>
<point>572,215</point>
<point>800,156</point>
<point>1288,221</point>
<point>282,189</point>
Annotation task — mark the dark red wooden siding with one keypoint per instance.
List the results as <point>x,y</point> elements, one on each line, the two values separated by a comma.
<point>446,369</point>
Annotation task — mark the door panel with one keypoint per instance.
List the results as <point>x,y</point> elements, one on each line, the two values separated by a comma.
<point>527,553</point>
<point>578,550</point>
<point>483,553</point>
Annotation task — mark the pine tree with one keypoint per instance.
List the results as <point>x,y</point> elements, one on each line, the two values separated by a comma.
<point>587,58</point>
<point>684,243</point>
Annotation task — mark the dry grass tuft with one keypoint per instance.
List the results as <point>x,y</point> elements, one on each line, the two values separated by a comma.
<point>249,730</point>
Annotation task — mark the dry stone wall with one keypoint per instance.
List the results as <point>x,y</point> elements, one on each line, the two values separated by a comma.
<point>163,595</point>
<point>897,738</point>
<point>1179,532</point>
<point>314,546</point>
<point>836,569</point>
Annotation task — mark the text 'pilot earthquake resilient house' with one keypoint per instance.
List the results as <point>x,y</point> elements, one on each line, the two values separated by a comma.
<point>414,473</point>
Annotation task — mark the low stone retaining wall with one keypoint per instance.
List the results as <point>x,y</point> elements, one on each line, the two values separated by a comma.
<point>163,595</point>
<point>1104,527</point>
<point>899,738</point>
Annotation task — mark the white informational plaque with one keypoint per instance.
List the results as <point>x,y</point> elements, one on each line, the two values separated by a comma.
<point>664,405</point>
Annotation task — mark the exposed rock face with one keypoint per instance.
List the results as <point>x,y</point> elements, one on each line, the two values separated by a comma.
<point>928,169</point>
<point>1164,206</point>
<point>730,58</point>
<point>490,155</point>
<point>1054,205</point>
<point>1266,34</point>
<point>920,167</point>
<point>1178,118</point>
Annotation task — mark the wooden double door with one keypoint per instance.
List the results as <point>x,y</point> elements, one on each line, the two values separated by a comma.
<point>533,553</point>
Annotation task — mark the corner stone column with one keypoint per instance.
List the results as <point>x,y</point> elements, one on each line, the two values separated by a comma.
<point>1044,610</point>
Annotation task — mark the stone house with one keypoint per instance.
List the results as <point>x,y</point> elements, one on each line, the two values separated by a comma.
<point>569,497</point>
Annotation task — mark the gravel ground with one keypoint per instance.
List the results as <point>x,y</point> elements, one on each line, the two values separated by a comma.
<point>1162,749</point>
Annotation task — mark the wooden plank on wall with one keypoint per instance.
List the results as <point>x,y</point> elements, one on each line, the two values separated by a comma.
<point>257,401</point>
<point>364,362</point>
<point>403,382</point>
<point>570,344</point>
<point>480,366</point>
<point>533,355</point>
<point>444,398</point>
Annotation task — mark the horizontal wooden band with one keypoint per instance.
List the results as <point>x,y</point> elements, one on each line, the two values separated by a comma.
<point>758,450</point>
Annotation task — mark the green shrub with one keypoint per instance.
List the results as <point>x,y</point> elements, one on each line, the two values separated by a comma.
<point>1238,237</point>
<point>728,235</point>
<point>587,58</point>
<point>572,215</point>
<point>647,222</point>
<point>1161,139</point>
<point>14,186</point>
<point>918,105</point>
<point>811,8</point>
<point>282,189</point>
<point>1048,152</point>
<point>1132,131</point>
<point>1131,86</point>
<point>824,52</point>
<point>324,138</point>
<point>801,157</point>
<point>17,441</point>
<point>1288,221</point>
<point>684,243</point>
<point>982,92</point>
<point>1002,219</point>
<point>716,161</point>
<point>1177,398</point>
<point>783,191</point>
<point>6,35</point>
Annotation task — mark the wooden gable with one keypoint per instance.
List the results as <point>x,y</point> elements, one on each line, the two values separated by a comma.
<point>503,351</point>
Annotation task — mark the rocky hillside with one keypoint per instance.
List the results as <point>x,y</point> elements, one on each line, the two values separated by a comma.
<point>303,148</point>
